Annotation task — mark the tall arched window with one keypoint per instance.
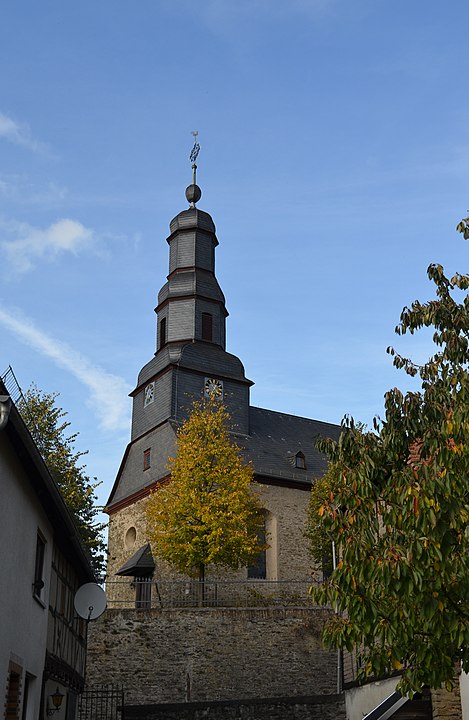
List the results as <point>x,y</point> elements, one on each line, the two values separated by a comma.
<point>258,568</point>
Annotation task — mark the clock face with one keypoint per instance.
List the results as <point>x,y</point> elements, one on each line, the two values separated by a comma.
<point>149,394</point>
<point>213,388</point>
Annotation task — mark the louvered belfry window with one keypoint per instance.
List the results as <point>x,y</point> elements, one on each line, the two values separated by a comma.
<point>162,332</point>
<point>207,323</point>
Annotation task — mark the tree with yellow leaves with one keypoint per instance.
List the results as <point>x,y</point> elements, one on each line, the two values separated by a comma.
<point>208,513</point>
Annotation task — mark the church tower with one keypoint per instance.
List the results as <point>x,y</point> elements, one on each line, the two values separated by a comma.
<point>190,360</point>
<point>191,313</point>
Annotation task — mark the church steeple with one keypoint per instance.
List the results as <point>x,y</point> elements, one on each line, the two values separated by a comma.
<point>191,305</point>
<point>191,318</point>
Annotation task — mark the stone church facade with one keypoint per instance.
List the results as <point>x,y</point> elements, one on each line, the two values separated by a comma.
<point>253,653</point>
<point>190,360</point>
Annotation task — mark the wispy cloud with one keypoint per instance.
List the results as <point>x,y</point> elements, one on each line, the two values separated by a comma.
<point>107,392</point>
<point>31,243</point>
<point>20,134</point>
<point>218,9</point>
<point>21,190</point>
<point>221,16</point>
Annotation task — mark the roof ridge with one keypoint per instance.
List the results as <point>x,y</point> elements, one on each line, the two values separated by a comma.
<point>297,417</point>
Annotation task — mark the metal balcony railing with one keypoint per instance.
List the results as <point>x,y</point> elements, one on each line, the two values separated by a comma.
<point>146,593</point>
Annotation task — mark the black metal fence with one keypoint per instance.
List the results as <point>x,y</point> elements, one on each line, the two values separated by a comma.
<point>146,593</point>
<point>102,702</point>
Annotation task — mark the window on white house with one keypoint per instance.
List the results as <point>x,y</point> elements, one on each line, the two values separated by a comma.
<point>38,583</point>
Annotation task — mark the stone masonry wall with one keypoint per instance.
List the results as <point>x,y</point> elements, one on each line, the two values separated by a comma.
<point>446,705</point>
<point>205,654</point>
<point>329,707</point>
<point>122,543</point>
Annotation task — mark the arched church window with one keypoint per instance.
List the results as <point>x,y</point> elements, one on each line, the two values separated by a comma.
<point>258,568</point>
<point>130,538</point>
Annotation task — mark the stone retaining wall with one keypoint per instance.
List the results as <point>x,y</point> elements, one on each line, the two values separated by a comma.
<point>206,654</point>
<point>307,708</point>
<point>446,704</point>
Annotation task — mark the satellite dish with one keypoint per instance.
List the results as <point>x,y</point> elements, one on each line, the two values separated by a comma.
<point>90,601</point>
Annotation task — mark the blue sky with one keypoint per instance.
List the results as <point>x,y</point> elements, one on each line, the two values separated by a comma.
<point>335,146</point>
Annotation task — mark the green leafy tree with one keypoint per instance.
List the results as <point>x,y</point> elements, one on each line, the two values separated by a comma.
<point>45,420</point>
<point>398,510</point>
<point>320,539</point>
<point>208,513</point>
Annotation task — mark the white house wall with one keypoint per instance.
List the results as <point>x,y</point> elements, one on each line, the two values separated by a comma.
<point>23,627</point>
<point>464,687</point>
<point>360,701</point>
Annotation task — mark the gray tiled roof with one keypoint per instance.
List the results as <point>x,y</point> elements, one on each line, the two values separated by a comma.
<point>203,357</point>
<point>276,437</point>
<point>165,356</point>
<point>271,446</point>
<point>192,218</point>
<point>140,564</point>
<point>212,359</point>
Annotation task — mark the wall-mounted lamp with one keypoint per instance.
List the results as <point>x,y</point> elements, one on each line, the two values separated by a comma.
<point>56,700</point>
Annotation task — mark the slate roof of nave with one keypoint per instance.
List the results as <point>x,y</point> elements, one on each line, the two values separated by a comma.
<point>276,437</point>
<point>271,446</point>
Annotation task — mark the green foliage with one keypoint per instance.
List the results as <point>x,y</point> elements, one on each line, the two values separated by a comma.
<point>463,227</point>
<point>47,425</point>
<point>208,513</point>
<point>398,509</point>
<point>320,540</point>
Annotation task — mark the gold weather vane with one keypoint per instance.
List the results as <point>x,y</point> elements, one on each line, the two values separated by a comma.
<point>194,153</point>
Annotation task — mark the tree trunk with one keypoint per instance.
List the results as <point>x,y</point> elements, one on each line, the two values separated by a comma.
<point>201,585</point>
